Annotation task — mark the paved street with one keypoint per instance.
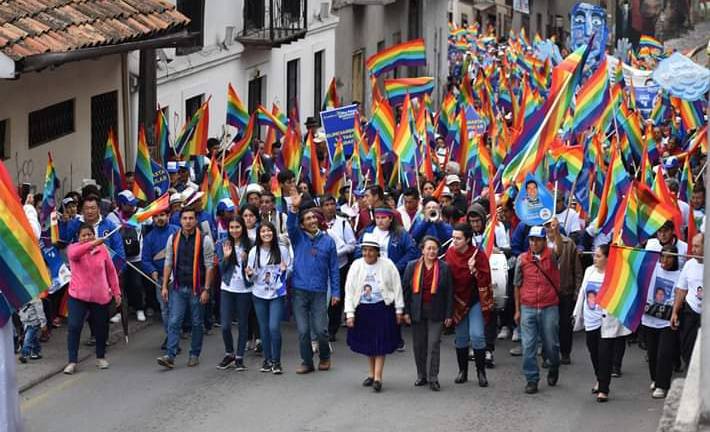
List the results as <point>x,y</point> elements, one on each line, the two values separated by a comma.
<point>137,395</point>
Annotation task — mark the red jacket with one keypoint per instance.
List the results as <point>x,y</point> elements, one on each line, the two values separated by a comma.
<point>536,291</point>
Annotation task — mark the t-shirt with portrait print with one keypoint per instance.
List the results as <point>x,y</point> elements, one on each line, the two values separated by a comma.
<point>661,295</point>
<point>691,280</point>
<point>591,283</point>
<point>371,289</point>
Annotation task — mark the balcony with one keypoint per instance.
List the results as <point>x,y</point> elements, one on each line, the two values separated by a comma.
<point>272,23</point>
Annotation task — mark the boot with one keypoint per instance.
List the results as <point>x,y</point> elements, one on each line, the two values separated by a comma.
<point>462,359</point>
<point>480,359</point>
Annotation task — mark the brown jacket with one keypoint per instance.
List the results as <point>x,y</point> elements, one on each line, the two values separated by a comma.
<point>571,271</point>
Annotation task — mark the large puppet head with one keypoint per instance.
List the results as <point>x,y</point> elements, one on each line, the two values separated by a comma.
<point>587,19</point>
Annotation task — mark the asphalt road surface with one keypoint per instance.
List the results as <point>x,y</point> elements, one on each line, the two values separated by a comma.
<point>135,394</point>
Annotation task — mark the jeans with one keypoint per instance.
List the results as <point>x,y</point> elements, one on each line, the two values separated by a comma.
<point>235,305</point>
<point>31,344</point>
<point>268,314</point>
<point>164,309</point>
<point>470,329</point>
<point>180,301</point>
<point>311,312</point>
<point>534,324</point>
<point>98,317</point>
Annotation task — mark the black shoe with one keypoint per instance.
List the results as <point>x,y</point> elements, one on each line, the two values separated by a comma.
<point>462,359</point>
<point>35,356</point>
<point>420,382</point>
<point>401,346</point>
<point>239,365</point>
<point>482,379</point>
<point>22,359</point>
<point>480,359</point>
<point>377,386</point>
<point>615,373</point>
<point>276,368</point>
<point>434,386</point>
<point>552,377</point>
<point>266,366</point>
<point>166,362</point>
<point>227,362</point>
<point>368,382</point>
<point>531,387</point>
<point>490,361</point>
<point>565,360</point>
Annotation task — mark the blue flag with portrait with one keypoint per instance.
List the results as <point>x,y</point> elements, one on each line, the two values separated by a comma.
<point>534,204</point>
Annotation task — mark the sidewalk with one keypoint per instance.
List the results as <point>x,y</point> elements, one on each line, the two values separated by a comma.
<point>54,352</point>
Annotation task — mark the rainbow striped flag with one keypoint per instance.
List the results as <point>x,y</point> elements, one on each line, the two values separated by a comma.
<point>264,117</point>
<point>159,205</point>
<point>626,280</point>
<point>383,122</point>
<point>239,149</point>
<point>51,184</point>
<point>397,89</point>
<point>196,145</point>
<point>660,108</point>
<point>489,233</point>
<point>317,182</point>
<point>650,43</point>
<point>592,98</point>
<point>237,112</point>
<point>653,212</point>
<point>691,113</point>
<point>113,166</point>
<point>162,138</point>
<point>685,192</point>
<point>24,273</point>
<point>660,189</point>
<point>404,145</point>
<point>336,174</point>
<point>411,53</point>
<point>331,100</point>
<point>630,123</point>
<point>568,163</point>
<point>616,184</point>
<point>143,187</point>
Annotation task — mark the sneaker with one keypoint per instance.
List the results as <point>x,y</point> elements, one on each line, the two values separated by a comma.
<point>116,318</point>
<point>504,333</point>
<point>193,361</point>
<point>516,351</point>
<point>266,366</point>
<point>102,363</point>
<point>239,365</point>
<point>227,362</point>
<point>22,359</point>
<point>658,393</point>
<point>531,387</point>
<point>276,369</point>
<point>615,373</point>
<point>140,316</point>
<point>166,362</point>
<point>314,346</point>
<point>516,335</point>
<point>35,356</point>
<point>257,348</point>
<point>471,355</point>
<point>70,368</point>
<point>401,347</point>
<point>490,362</point>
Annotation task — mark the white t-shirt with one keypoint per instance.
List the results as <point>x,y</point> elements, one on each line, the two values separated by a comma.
<point>691,280</point>
<point>371,291</point>
<point>661,294</point>
<point>269,280</point>
<point>591,283</point>
<point>383,238</point>
<point>684,213</point>
<point>572,222</point>
<point>236,284</point>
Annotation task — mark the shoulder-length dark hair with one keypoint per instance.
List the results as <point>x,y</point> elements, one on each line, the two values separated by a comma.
<point>274,249</point>
<point>242,241</point>
<point>670,248</point>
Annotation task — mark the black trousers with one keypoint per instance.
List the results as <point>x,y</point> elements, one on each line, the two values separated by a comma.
<point>133,287</point>
<point>490,330</point>
<point>619,349</point>
<point>689,325</point>
<point>601,352</point>
<point>566,308</point>
<point>661,348</point>
<point>335,313</point>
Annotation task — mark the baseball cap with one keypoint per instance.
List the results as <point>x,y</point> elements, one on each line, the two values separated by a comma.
<point>127,197</point>
<point>225,204</point>
<point>537,232</point>
<point>671,162</point>
<point>452,178</point>
<point>172,167</point>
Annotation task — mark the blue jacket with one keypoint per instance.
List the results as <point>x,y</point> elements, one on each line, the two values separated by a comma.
<point>226,267</point>
<point>519,239</point>
<point>154,243</point>
<point>69,233</point>
<point>315,259</point>
<point>400,251</point>
<point>423,227</point>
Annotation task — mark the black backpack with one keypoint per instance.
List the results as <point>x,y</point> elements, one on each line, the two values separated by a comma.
<point>131,242</point>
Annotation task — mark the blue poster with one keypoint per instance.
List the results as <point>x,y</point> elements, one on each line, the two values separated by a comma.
<point>161,180</point>
<point>534,205</point>
<point>58,270</point>
<point>645,96</point>
<point>475,124</point>
<point>339,122</point>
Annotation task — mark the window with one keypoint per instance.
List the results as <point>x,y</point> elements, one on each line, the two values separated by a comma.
<point>195,10</point>
<point>50,123</point>
<point>292,74</point>
<point>450,17</point>
<point>192,105</point>
<point>318,81</point>
<point>358,69</point>
<point>4,139</point>
<point>464,20</point>
<point>539,29</point>
<point>254,14</point>
<point>257,86</point>
<point>104,118</point>
<point>380,45</point>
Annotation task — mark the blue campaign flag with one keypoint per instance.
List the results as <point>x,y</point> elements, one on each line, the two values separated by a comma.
<point>161,179</point>
<point>534,204</point>
<point>339,123</point>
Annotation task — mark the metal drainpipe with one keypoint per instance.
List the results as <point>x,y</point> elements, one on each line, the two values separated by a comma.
<point>126,106</point>
<point>704,339</point>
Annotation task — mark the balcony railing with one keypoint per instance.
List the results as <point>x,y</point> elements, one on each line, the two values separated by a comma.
<point>272,23</point>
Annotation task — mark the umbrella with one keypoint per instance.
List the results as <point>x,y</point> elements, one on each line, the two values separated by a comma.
<point>682,77</point>
<point>124,316</point>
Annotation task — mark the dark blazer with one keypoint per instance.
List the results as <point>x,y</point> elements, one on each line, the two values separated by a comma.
<point>442,302</point>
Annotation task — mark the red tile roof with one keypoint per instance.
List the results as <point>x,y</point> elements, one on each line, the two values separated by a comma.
<point>31,27</point>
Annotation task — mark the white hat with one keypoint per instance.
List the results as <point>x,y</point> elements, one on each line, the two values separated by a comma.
<point>370,240</point>
<point>127,197</point>
<point>447,192</point>
<point>452,178</point>
<point>176,198</point>
<point>254,188</point>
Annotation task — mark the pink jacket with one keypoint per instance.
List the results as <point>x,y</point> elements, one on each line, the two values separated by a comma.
<point>93,276</point>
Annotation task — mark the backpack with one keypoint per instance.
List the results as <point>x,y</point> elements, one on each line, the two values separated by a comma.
<point>131,242</point>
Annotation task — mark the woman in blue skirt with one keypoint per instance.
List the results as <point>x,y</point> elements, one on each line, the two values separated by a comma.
<point>373,306</point>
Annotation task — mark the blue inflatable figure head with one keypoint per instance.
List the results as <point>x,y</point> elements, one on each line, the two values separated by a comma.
<point>586,20</point>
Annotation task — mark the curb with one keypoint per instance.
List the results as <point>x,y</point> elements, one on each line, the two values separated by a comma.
<point>113,337</point>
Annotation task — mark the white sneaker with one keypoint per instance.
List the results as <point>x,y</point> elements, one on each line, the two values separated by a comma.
<point>314,346</point>
<point>516,335</point>
<point>659,393</point>
<point>70,369</point>
<point>102,363</point>
<point>140,315</point>
<point>504,333</point>
<point>116,318</point>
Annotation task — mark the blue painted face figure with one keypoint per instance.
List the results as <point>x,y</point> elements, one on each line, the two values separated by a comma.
<point>587,19</point>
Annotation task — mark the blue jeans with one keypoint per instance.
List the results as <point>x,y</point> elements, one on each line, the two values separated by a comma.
<point>234,305</point>
<point>268,314</point>
<point>31,344</point>
<point>164,309</point>
<point>471,330</point>
<point>98,323</point>
<point>311,312</point>
<point>179,302</point>
<point>539,323</point>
